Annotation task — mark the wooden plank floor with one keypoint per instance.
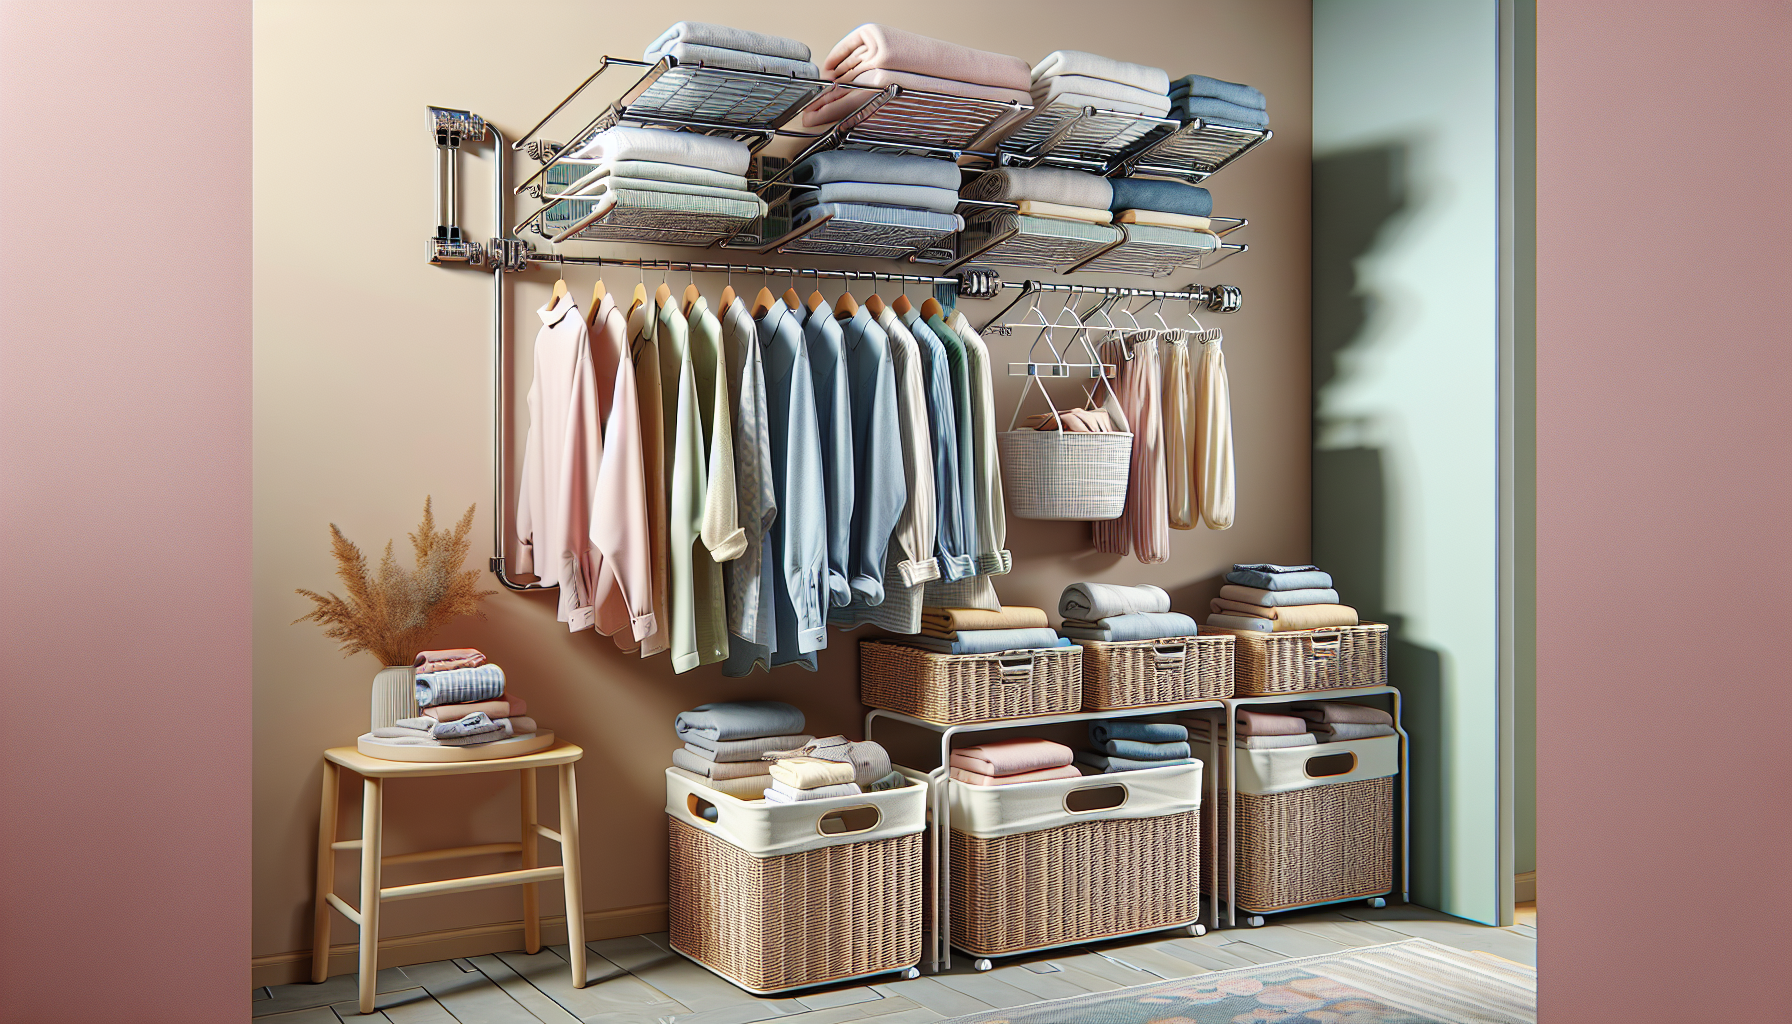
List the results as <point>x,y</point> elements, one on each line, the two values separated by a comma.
<point>639,980</point>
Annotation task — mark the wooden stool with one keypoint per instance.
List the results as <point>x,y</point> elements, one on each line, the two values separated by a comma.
<point>374,772</point>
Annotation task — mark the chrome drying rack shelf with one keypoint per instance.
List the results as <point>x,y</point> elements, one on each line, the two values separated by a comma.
<point>1117,144</point>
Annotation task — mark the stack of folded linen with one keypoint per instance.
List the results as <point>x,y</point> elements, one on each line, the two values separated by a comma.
<point>879,56</point>
<point>983,631</point>
<point>1197,96</point>
<point>1010,762</point>
<point>1266,598</point>
<point>1258,730</point>
<point>1125,745</point>
<point>462,703</point>
<point>882,188</point>
<point>1163,204</point>
<point>1338,720</point>
<point>719,46</point>
<point>1076,421</point>
<point>661,169</point>
<point>795,779</point>
<point>1072,78</point>
<point>723,743</point>
<point>1112,613</point>
<point>871,768</point>
<point>1050,192</point>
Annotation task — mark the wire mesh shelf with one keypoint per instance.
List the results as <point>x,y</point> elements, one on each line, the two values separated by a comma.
<point>659,218</point>
<point>1192,152</point>
<point>851,234</point>
<point>894,119</point>
<point>1153,251</point>
<point>718,100</point>
<point>1084,138</point>
<point>1039,243</point>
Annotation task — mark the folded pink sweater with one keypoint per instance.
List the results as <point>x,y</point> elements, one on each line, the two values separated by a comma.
<point>1068,771</point>
<point>879,46</point>
<point>1012,757</point>
<point>443,661</point>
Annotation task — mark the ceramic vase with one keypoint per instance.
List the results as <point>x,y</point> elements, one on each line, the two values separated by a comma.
<point>394,695</point>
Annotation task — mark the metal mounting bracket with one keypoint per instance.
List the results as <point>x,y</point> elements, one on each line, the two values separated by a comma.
<point>511,254</point>
<point>450,128</point>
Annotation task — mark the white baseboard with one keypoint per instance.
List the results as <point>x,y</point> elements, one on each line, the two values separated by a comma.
<point>428,947</point>
<point>1524,887</point>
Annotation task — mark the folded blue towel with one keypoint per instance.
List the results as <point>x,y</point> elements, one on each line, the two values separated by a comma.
<point>1143,732</point>
<point>1133,750</point>
<point>738,720</point>
<point>1162,196</point>
<point>989,641</point>
<point>1311,579</point>
<point>1137,626</point>
<point>1231,92</point>
<point>1218,111</point>
<point>858,165</point>
<point>460,685</point>
<point>1107,764</point>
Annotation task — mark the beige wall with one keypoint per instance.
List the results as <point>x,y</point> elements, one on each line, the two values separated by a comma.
<point>372,390</point>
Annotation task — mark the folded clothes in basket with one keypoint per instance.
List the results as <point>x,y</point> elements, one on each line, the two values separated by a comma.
<point>811,772</point>
<point>971,778</point>
<point>988,641</point>
<point>719,771</point>
<point>1343,711</point>
<point>1299,616</point>
<point>1329,732</point>
<point>1137,750</point>
<point>1107,763</point>
<point>1267,723</point>
<point>1091,601</point>
<point>780,793</point>
<point>1164,196</point>
<point>1137,626</point>
<point>664,146</point>
<point>1304,739</point>
<point>1075,421</point>
<point>750,787</point>
<point>869,760</point>
<point>460,685</point>
<point>1044,185</point>
<point>1094,65</point>
<point>858,165</point>
<point>1142,732</point>
<point>1011,757</point>
<point>739,720</point>
<point>893,216</point>
<point>1277,598</point>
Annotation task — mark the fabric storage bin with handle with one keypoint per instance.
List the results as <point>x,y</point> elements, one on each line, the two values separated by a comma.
<point>1141,673</point>
<point>1310,659</point>
<point>1065,474</point>
<point>775,897</point>
<point>1315,823</point>
<point>953,689</point>
<point>1042,864</point>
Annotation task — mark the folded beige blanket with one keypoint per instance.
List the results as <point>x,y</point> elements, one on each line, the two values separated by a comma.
<point>503,707</point>
<point>1043,775</point>
<point>835,103</point>
<point>697,764</point>
<point>1300,616</point>
<point>1010,616</point>
<point>1077,421</point>
<point>1159,219</point>
<point>1034,208</point>
<point>873,46</point>
<point>750,788</point>
<point>1042,184</point>
<point>811,772</point>
<point>1012,757</point>
<point>1081,62</point>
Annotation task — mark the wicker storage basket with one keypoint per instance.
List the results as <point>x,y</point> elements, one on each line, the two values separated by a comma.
<point>952,689</point>
<point>1311,659</point>
<point>1083,875</point>
<point>1061,474</point>
<point>844,904</point>
<point>1142,673</point>
<point>1312,841</point>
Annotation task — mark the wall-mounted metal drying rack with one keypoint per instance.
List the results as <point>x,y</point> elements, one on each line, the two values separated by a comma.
<point>452,129</point>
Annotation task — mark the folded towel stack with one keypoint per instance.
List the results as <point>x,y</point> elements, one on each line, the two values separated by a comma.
<point>1127,745</point>
<point>869,760</point>
<point>1197,96</point>
<point>795,779</point>
<point>881,188</point>
<point>1112,613</point>
<point>680,171</point>
<point>878,56</point>
<point>724,743</point>
<point>1337,720</point>
<point>462,703</point>
<point>982,631</point>
<point>719,46</point>
<point>1267,598</point>
<point>1258,730</point>
<point>1053,193</point>
<point>1072,78</point>
<point>1010,762</point>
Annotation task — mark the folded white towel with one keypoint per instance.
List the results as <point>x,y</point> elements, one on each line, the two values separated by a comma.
<point>655,171</point>
<point>1079,91</point>
<point>705,33</point>
<point>779,793</point>
<point>1094,65</point>
<point>658,144</point>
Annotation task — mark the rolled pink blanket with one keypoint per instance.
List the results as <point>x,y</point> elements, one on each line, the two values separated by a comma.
<point>834,104</point>
<point>870,47</point>
<point>1068,771</point>
<point>503,707</point>
<point>444,661</point>
<point>1012,757</point>
<point>1262,723</point>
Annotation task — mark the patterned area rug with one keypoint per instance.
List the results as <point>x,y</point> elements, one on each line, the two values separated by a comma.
<point>1415,981</point>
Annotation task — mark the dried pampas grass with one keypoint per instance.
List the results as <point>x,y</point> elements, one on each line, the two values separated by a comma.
<point>393,612</point>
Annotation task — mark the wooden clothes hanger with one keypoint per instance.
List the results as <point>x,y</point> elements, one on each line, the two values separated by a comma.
<point>874,302</point>
<point>691,295</point>
<point>560,294</point>
<point>932,308</point>
<point>846,307</point>
<point>728,292</point>
<point>762,303</point>
<point>597,301</point>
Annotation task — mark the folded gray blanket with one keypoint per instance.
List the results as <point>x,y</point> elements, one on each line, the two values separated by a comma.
<point>1042,185</point>
<point>1107,763</point>
<point>858,165</point>
<point>779,793</point>
<point>718,771</point>
<point>1329,732</point>
<point>1090,601</point>
<point>1162,196</point>
<point>1277,598</point>
<point>918,197</point>
<point>1189,108</point>
<point>1303,579</point>
<point>1143,732</point>
<point>1231,92</point>
<point>739,60</point>
<point>705,33</point>
<point>1133,750</point>
<point>869,759</point>
<point>1246,622</point>
<point>894,780</point>
<point>1137,626</point>
<point>460,686</point>
<point>895,216</point>
<point>743,750</point>
<point>989,641</point>
<point>738,720</point>
<point>1339,711</point>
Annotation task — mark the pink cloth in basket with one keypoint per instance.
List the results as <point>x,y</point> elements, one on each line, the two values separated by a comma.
<point>1262,723</point>
<point>1012,757</point>
<point>1068,771</point>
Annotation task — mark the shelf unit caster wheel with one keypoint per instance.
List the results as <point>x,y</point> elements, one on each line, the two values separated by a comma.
<point>910,974</point>
<point>1195,931</point>
<point>1377,901</point>
<point>981,964</point>
<point>1254,921</point>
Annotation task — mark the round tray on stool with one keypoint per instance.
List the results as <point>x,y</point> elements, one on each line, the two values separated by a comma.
<point>516,746</point>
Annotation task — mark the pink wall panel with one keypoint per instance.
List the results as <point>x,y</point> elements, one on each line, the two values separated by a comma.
<point>1664,406</point>
<point>124,508</point>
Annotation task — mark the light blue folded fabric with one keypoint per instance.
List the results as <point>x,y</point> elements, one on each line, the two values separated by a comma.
<point>738,720</point>
<point>1311,579</point>
<point>1231,92</point>
<point>1137,626</point>
<point>1218,111</point>
<point>1108,764</point>
<point>919,197</point>
<point>858,165</point>
<point>704,33</point>
<point>1142,732</point>
<point>1162,196</point>
<point>1091,601</point>
<point>1283,598</point>
<point>896,216</point>
<point>989,641</point>
<point>460,686</point>
<point>739,60</point>
<point>1249,622</point>
<point>1133,750</point>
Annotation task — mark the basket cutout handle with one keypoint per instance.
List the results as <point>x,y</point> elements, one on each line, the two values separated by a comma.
<point>848,820</point>
<point>1089,799</point>
<point>1169,656</point>
<point>700,808</point>
<point>1326,645</point>
<point>1327,765</point>
<point>1016,668</point>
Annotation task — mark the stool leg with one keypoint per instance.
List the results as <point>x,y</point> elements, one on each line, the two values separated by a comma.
<point>531,858</point>
<point>370,890</point>
<point>569,856</point>
<point>326,875</point>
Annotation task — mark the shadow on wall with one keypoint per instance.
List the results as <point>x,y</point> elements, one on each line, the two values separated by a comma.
<point>1359,199</point>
